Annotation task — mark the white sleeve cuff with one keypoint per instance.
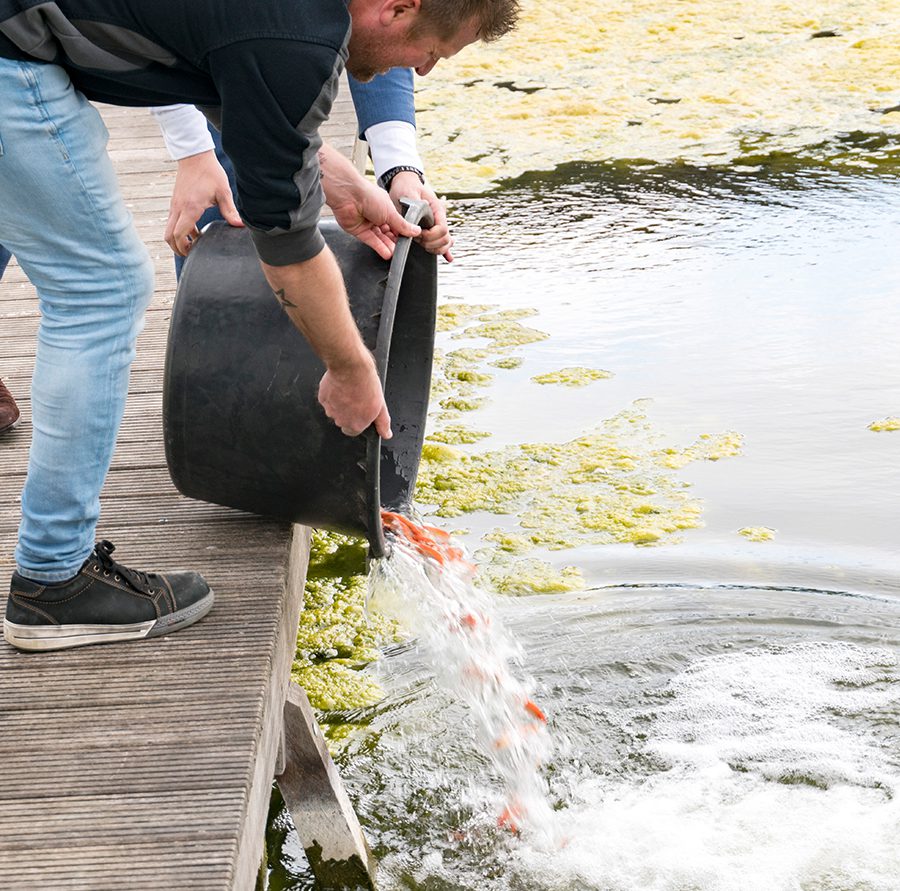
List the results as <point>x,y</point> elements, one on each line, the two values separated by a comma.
<point>393,144</point>
<point>184,130</point>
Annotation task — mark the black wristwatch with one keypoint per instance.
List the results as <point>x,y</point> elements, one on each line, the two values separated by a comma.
<point>387,177</point>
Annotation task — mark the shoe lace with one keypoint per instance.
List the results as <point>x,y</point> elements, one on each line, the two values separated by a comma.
<point>138,580</point>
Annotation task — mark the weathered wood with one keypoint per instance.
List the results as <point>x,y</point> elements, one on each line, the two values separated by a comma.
<point>323,815</point>
<point>248,854</point>
<point>146,765</point>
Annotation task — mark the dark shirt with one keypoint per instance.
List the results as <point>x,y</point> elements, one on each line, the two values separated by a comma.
<point>267,70</point>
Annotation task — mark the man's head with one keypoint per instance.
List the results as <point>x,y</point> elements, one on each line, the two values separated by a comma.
<point>419,33</point>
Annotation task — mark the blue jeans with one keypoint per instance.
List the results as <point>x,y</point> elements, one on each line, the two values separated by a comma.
<point>63,217</point>
<point>4,259</point>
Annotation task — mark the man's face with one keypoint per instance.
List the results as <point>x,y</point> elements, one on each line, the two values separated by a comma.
<point>376,50</point>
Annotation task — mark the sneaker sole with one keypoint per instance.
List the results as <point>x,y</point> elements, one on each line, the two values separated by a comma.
<point>63,637</point>
<point>9,427</point>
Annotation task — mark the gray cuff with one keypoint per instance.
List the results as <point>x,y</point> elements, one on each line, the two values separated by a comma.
<point>285,248</point>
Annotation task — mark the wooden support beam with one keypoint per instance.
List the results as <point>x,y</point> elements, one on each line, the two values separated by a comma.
<point>323,815</point>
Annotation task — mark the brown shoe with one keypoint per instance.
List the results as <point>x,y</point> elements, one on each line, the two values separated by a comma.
<point>9,411</point>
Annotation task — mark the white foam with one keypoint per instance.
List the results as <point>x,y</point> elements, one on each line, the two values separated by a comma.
<point>712,829</point>
<point>715,817</point>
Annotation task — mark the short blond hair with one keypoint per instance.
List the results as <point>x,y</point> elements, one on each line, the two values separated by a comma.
<point>445,17</point>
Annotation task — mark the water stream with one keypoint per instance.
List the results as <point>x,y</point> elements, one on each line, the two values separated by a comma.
<point>725,712</point>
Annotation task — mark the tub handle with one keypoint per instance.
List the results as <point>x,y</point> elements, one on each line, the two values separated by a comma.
<point>417,212</point>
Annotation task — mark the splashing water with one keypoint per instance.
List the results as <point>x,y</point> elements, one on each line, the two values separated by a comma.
<point>428,586</point>
<point>762,779</point>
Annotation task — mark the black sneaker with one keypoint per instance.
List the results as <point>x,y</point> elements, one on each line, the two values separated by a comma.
<point>105,602</point>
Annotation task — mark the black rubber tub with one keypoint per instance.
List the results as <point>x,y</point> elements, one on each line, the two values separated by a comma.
<point>242,422</point>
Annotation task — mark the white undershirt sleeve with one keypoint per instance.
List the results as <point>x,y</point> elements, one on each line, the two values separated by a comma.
<point>393,144</point>
<point>184,130</point>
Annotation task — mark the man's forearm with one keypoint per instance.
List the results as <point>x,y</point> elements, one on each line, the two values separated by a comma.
<point>339,177</point>
<point>313,295</point>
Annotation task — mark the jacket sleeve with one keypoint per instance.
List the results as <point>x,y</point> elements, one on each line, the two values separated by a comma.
<point>387,97</point>
<point>275,95</point>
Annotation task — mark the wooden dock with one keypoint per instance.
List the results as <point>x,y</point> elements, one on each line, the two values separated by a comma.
<point>147,765</point>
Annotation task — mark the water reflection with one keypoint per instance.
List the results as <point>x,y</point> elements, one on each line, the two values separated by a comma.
<point>722,725</point>
<point>764,303</point>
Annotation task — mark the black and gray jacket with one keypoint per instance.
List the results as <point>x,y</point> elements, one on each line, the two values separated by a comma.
<point>266,69</point>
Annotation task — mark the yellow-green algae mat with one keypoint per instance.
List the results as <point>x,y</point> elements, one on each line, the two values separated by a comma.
<point>617,483</point>
<point>701,82</point>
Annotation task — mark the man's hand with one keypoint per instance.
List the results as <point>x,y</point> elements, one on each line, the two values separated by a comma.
<point>361,208</point>
<point>351,397</point>
<point>437,239</point>
<point>200,183</point>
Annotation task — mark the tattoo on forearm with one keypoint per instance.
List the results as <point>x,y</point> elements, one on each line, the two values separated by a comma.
<point>283,300</point>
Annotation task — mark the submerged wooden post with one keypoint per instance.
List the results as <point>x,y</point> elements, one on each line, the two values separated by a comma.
<point>323,815</point>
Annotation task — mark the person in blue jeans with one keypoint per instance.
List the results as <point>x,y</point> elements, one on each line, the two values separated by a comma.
<point>270,84</point>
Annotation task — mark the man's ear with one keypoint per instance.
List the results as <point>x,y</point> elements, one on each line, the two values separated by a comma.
<point>392,12</point>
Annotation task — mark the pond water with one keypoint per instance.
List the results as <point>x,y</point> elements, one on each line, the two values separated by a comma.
<point>722,687</point>
<point>766,305</point>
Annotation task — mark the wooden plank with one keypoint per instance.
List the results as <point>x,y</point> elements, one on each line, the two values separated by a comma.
<point>248,854</point>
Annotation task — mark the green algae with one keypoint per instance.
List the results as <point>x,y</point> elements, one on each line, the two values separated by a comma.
<point>444,417</point>
<point>440,384</point>
<point>613,485</point>
<point>462,403</point>
<point>504,540</point>
<point>757,533</point>
<point>503,333</point>
<point>469,376</point>
<point>573,376</point>
<point>466,357</point>
<point>457,434</point>
<point>336,687</point>
<point>885,425</point>
<point>336,637</point>
<point>453,315</point>
<point>438,453</point>
<point>530,576</point>
<point>508,362</point>
<point>509,315</point>
<point>335,556</point>
<point>708,447</point>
